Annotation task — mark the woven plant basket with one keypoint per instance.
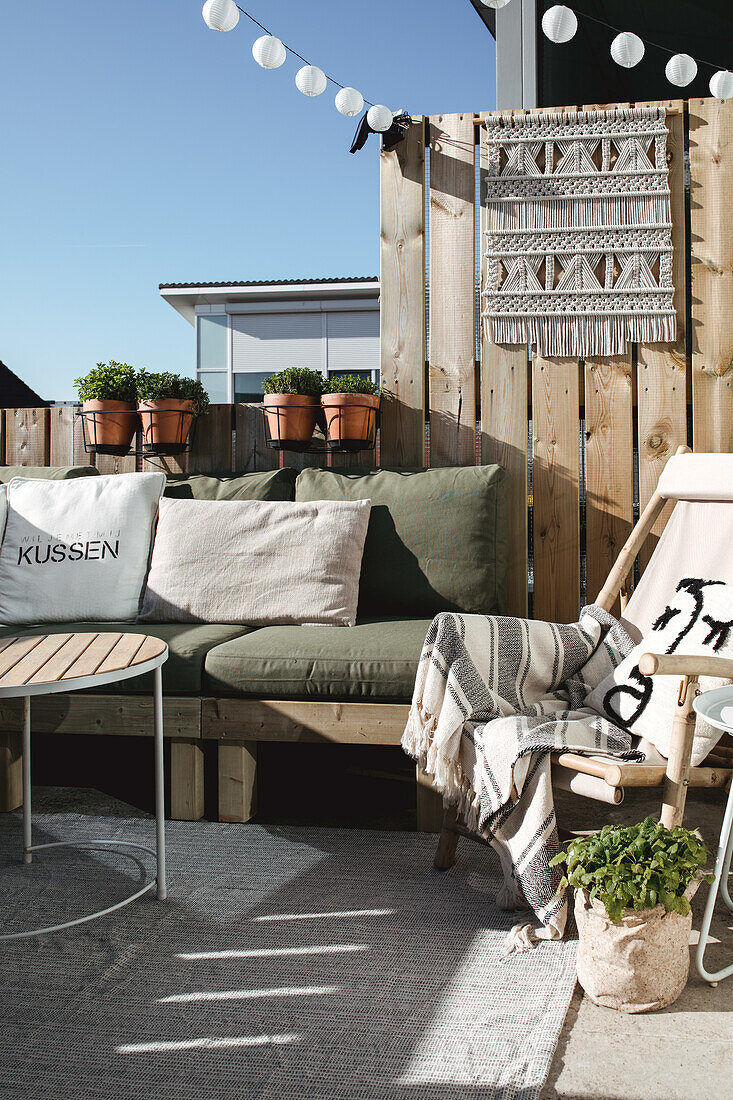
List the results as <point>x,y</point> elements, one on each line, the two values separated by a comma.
<point>638,965</point>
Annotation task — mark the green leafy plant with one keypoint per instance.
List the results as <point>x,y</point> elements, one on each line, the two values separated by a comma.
<point>350,383</point>
<point>108,382</point>
<point>635,867</point>
<point>167,386</point>
<point>298,380</point>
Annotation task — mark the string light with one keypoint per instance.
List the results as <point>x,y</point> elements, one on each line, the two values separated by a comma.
<point>270,53</point>
<point>379,118</point>
<point>681,70</point>
<point>627,49</point>
<point>560,24</point>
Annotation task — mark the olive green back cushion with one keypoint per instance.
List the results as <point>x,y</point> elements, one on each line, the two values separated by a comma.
<point>263,485</point>
<point>52,473</point>
<point>437,539</point>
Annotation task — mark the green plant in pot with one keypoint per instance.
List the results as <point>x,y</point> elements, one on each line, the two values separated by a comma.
<point>167,404</point>
<point>108,395</point>
<point>633,887</point>
<point>350,405</point>
<point>292,406</point>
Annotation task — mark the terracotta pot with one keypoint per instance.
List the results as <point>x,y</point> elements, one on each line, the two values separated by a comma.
<point>112,431</point>
<point>291,419</point>
<point>351,419</point>
<point>638,965</point>
<point>166,424</point>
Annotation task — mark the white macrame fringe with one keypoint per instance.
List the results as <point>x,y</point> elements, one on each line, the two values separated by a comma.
<point>581,335</point>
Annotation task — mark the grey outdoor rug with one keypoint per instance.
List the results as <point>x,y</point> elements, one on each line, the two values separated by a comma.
<point>287,963</point>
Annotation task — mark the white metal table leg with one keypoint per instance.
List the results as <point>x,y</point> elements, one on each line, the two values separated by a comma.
<point>27,810</point>
<point>719,885</point>
<point>159,784</point>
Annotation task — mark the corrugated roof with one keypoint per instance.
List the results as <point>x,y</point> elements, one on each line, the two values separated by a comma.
<point>274,282</point>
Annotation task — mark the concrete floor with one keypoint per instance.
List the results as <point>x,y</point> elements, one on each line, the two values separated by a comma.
<point>684,1052</point>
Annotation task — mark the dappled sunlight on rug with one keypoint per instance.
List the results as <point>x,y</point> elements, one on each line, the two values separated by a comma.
<point>288,963</point>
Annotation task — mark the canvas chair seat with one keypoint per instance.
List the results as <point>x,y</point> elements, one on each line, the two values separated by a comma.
<point>696,541</point>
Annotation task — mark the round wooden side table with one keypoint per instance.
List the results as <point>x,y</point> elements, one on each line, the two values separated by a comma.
<point>716,707</point>
<point>44,663</point>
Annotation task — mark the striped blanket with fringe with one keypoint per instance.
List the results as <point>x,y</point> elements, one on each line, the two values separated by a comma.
<point>494,696</point>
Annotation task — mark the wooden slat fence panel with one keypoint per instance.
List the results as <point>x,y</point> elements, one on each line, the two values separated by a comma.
<point>452,334</point>
<point>250,449</point>
<point>505,432</point>
<point>27,437</point>
<point>555,488</point>
<point>662,369</point>
<point>609,464</point>
<point>609,458</point>
<point>212,449</point>
<point>67,438</point>
<point>556,390</point>
<point>402,300</point>
<point>711,215</point>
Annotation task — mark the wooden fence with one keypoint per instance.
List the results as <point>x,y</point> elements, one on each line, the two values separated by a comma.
<point>584,442</point>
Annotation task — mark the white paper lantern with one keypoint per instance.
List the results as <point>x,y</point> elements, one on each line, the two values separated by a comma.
<point>379,118</point>
<point>559,24</point>
<point>681,69</point>
<point>268,52</point>
<point>627,49</point>
<point>721,84</point>
<point>310,80</point>
<point>349,102</point>
<point>220,15</point>
<point>494,3</point>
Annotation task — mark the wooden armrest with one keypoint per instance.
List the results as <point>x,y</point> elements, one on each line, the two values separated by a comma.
<point>685,664</point>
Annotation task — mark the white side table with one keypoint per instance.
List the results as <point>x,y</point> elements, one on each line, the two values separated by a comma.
<point>46,663</point>
<point>716,707</point>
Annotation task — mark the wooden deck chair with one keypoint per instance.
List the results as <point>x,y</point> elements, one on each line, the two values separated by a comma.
<point>698,536</point>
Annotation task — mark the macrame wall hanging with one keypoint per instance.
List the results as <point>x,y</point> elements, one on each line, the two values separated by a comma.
<point>578,232</point>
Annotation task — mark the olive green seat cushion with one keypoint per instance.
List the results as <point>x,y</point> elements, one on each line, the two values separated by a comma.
<point>437,538</point>
<point>376,659</point>
<point>51,473</point>
<point>188,645</point>
<point>263,485</point>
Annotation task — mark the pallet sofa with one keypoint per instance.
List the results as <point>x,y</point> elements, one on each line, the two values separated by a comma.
<point>437,541</point>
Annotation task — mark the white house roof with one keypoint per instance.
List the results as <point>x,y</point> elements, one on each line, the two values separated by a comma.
<point>184,297</point>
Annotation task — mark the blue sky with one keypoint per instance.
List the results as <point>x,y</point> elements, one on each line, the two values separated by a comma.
<point>140,147</point>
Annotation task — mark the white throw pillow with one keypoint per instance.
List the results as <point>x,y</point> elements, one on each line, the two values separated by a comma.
<point>77,550</point>
<point>256,562</point>
<point>698,620</point>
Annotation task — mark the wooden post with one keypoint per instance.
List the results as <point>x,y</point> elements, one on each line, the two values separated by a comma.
<point>446,851</point>
<point>555,489</point>
<point>429,803</point>
<point>505,431</point>
<point>711,243</point>
<point>187,780</point>
<point>402,300</point>
<point>237,781</point>
<point>680,751</point>
<point>11,756</point>
<point>452,332</point>
<point>662,368</point>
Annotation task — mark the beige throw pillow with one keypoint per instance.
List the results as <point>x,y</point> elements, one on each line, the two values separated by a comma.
<point>256,562</point>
